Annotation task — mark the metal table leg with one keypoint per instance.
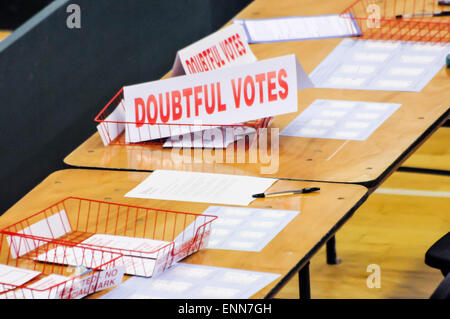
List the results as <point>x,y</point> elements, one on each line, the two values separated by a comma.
<point>331,252</point>
<point>304,282</point>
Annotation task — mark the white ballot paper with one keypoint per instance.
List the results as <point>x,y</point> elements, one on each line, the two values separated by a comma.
<point>10,277</point>
<point>226,96</point>
<point>219,137</point>
<point>188,281</point>
<point>380,65</point>
<point>338,119</point>
<point>113,125</point>
<point>244,228</point>
<point>201,187</point>
<point>299,28</point>
<point>223,48</point>
<point>46,288</point>
<point>52,227</point>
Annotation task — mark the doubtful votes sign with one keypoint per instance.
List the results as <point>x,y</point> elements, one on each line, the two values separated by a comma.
<point>223,48</point>
<point>226,96</point>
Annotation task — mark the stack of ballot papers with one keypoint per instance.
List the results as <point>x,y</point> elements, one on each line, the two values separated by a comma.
<point>299,28</point>
<point>217,95</point>
<point>139,256</point>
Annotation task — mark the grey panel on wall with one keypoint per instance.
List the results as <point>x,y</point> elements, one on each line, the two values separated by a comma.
<point>54,80</point>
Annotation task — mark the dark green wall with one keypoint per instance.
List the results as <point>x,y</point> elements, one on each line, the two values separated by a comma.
<point>54,80</point>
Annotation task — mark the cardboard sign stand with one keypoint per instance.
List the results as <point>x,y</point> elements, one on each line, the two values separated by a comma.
<point>110,127</point>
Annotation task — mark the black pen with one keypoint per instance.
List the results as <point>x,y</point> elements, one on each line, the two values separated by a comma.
<point>424,14</point>
<point>285,193</point>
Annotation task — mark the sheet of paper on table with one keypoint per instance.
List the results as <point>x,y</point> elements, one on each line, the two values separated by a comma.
<point>14,276</point>
<point>245,229</point>
<point>338,119</point>
<point>295,28</point>
<point>200,187</point>
<point>380,65</point>
<point>188,281</point>
<point>219,137</point>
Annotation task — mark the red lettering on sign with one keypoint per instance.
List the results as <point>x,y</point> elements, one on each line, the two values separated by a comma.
<point>237,92</point>
<point>260,78</point>
<point>248,88</point>
<point>240,43</point>
<point>249,100</point>
<point>220,106</point>
<point>190,67</point>
<point>197,98</point>
<point>217,57</point>
<point>176,105</point>
<point>205,67</point>
<point>164,117</point>
<point>111,273</point>
<point>211,59</point>
<point>187,94</point>
<point>283,74</point>
<point>236,45</point>
<point>271,86</point>
<point>152,99</point>
<point>139,104</point>
<point>210,104</point>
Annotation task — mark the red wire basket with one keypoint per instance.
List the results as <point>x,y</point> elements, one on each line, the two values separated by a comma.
<point>113,131</point>
<point>406,20</point>
<point>93,226</point>
<point>50,281</point>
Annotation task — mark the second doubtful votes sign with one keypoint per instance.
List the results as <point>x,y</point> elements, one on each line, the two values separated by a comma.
<point>222,97</point>
<point>223,48</point>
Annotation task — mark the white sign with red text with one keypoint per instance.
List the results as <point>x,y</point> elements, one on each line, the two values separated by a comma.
<point>223,48</point>
<point>222,97</point>
<point>98,281</point>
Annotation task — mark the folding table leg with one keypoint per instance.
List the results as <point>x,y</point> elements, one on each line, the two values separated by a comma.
<point>304,283</point>
<point>331,252</point>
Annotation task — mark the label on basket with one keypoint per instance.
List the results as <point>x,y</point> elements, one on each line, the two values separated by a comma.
<point>221,49</point>
<point>52,227</point>
<point>95,282</point>
<point>222,97</point>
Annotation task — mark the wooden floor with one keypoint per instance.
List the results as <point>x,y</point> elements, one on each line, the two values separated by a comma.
<point>434,153</point>
<point>392,230</point>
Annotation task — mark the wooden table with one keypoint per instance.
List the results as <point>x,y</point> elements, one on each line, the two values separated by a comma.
<point>4,34</point>
<point>366,162</point>
<point>433,156</point>
<point>321,215</point>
